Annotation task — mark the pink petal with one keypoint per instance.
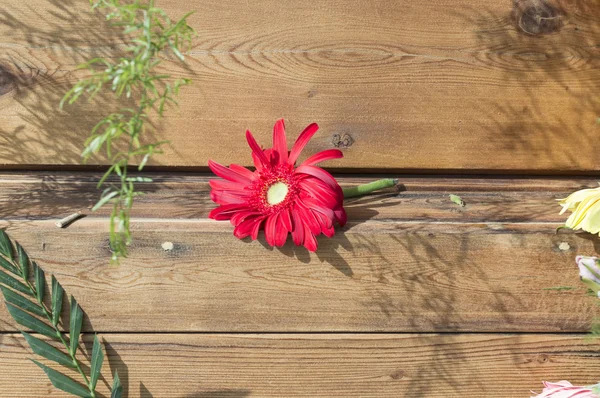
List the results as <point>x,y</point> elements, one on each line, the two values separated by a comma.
<point>227,174</point>
<point>323,156</point>
<point>279,142</point>
<point>301,142</point>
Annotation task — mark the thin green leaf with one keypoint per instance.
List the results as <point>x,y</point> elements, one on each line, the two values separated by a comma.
<point>40,281</point>
<point>57,300</point>
<point>8,266</point>
<point>117,388</point>
<point>29,321</point>
<point>21,302</point>
<point>23,261</point>
<point>104,199</point>
<point>47,351</point>
<point>14,283</point>
<point>96,363</point>
<point>6,246</point>
<point>75,325</point>
<point>64,383</point>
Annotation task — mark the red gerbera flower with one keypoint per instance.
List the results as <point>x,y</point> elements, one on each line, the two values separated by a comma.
<point>280,197</point>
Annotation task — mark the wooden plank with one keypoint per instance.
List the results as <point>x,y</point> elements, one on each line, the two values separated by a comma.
<point>330,365</point>
<point>372,276</point>
<point>54,195</point>
<point>399,84</point>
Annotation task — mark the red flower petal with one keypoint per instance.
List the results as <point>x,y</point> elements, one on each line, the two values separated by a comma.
<point>309,219</point>
<point>242,171</point>
<point>256,227</point>
<point>247,227</point>
<point>321,175</point>
<point>224,185</point>
<point>257,152</point>
<point>298,230</point>
<point>271,229</point>
<point>279,142</point>
<point>227,174</point>
<point>321,192</point>
<point>309,240</point>
<point>286,219</point>
<point>323,156</point>
<point>226,197</point>
<point>340,215</point>
<point>280,232</point>
<point>225,212</point>
<point>301,142</point>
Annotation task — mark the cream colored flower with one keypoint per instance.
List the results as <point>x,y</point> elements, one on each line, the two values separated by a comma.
<point>585,205</point>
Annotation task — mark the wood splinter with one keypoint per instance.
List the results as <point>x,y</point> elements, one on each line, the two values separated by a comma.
<point>65,222</point>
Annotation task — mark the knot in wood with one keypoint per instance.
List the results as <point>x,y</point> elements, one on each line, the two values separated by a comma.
<point>7,81</point>
<point>537,17</point>
<point>342,141</point>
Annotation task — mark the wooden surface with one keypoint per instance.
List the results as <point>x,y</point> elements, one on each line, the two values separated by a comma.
<point>408,261</point>
<point>462,85</point>
<point>354,319</point>
<point>317,365</point>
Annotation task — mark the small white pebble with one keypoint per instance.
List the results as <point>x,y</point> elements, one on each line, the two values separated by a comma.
<point>564,246</point>
<point>167,246</point>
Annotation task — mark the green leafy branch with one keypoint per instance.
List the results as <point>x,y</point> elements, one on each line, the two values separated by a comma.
<point>134,76</point>
<point>24,291</point>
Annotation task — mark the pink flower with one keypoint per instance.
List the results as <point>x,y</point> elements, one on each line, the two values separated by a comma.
<point>280,197</point>
<point>589,271</point>
<point>564,389</point>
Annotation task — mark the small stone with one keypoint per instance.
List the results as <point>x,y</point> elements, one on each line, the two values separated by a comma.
<point>564,246</point>
<point>167,246</point>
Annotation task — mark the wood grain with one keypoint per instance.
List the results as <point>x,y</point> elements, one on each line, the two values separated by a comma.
<point>331,365</point>
<point>408,261</point>
<point>54,195</point>
<point>399,85</point>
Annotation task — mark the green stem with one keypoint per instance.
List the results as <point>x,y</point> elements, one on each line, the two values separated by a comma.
<point>364,189</point>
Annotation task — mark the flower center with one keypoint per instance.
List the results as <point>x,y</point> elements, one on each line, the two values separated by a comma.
<point>277,193</point>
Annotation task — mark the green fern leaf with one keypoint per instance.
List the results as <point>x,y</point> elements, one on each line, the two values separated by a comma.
<point>23,261</point>
<point>57,300</point>
<point>117,388</point>
<point>31,322</point>
<point>6,246</point>
<point>75,325</point>
<point>47,351</point>
<point>19,301</point>
<point>96,364</point>
<point>64,383</point>
<point>15,284</point>
<point>8,266</point>
<point>40,281</point>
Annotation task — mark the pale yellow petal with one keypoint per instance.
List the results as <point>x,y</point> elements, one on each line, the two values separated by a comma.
<point>579,196</point>
<point>591,222</point>
<point>581,211</point>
